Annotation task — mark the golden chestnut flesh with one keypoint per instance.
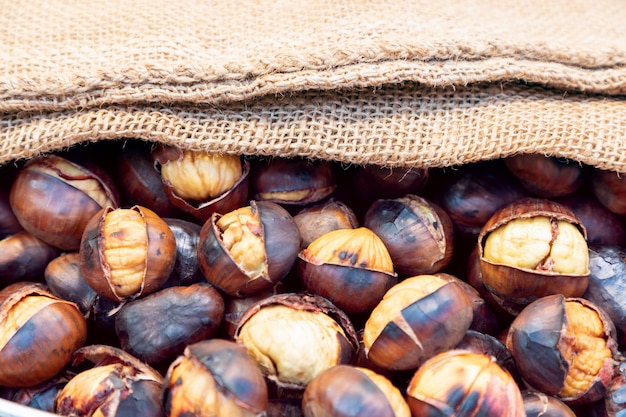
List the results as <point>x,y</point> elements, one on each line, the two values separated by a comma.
<point>39,333</point>
<point>564,347</point>
<point>350,391</point>
<point>215,378</point>
<point>416,319</point>
<point>350,267</point>
<point>462,383</point>
<point>127,253</point>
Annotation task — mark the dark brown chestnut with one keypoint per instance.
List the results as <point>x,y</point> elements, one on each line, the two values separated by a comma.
<point>202,183</point>
<point>350,391</point>
<point>538,404</point>
<point>249,249</point>
<point>350,267</point>
<point>39,333</point>
<point>416,319</point>
<point>157,328</point>
<point>127,253</point>
<point>9,225</point>
<point>564,346</point>
<point>186,270</point>
<point>215,378</point>
<point>610,189</point>
<point>417,232</point>
<point>530,249</point>
<point>41,396</point>
<point>23,257</point>
<point>546,176</point>
<point>375,182</point>
<point>64,279</point>
<point>53,198</point>
<point>458,382</point>
<point>324,217</point>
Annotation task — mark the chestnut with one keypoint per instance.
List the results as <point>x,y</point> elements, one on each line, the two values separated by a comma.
<point>235,308</point>
<point>564,346</point>
<point>324,217</point>
<point>24,257</point>
<point>53,198</point>
<point>202,183</point>
<point>9,225</point>
<point>416,319</point>
<point>375,182</point>
<point>127,253</point>
<point>117,385</point>
<point>610,189</point>
<point>215,378</point>
<point>538,404</point>
<point>458,382</point>
<point>350,267</point>
<point>546,176</point>
<point>186,270</point>
<point>249,249</point>
<point>351,391</point>
<point>41,396</point>
<point>156,328</point>
<point>64,279</point>
<point>39,334</point>
<point>530,249</point>
<point>325,338</point>
<point>292,181</point>
<point>417,232</point>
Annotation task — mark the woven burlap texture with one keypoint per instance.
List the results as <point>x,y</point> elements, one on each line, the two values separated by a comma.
<point>400,83</point>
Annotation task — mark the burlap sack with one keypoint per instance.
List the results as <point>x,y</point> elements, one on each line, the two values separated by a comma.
<point>397,82</point>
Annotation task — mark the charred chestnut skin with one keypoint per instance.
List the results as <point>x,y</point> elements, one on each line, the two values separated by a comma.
<point>280,236</point>
<point>43,344</point>
<point>157,328</point>
<point>225,362</point>
<point>24,257</point>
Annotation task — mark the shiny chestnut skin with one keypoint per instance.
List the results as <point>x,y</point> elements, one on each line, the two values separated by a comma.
<point>64,279</point>
<point>350,391</point>
<point>350,267</point>
<point>314,221</point>
<point>40,333</point>
<point>416,319</point>
<point>127,253</point>
<point>417,232</point>
<point>202,209</point>
<point>156,328</point>
<point>376,182</point>
<point>24,257</point>
<point>118,384</point>
<point>458,382</point>
<point>610,189</point>
<point>292,181</point>
<point>186,270</point>
<point>530,249</point>
<point>9,225</point>
<point>215,377</point>
<point>564,346</point>
<point>53,198</point>
<point>326,337</point>
<point>538,404</point>
<point>258,260</point>
<point>546,176</point>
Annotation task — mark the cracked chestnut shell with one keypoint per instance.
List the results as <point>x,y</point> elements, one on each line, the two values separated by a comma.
<point>458,382</point>
<point>325,338</point>
<point>54,198</point>
<point>156,328</point>
<point>350,267</point>
<point>564,346</point>
<point>117,385</point>
<point>217,378</point>
<point>417,232</point>
<point>202,183</point>
<point>127,253</point>
<point>530,249</point>
<point>39,333</point>
<point>351,391</point>
<point>249,249</point>
<point>24,257</point>
<point>416,319</point>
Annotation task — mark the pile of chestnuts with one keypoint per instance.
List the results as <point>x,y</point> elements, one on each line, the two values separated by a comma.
<point>139,279</point>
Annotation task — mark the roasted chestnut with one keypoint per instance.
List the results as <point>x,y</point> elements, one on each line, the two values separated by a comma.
<point>350,267</point>
<point>157,328</point>
<point>24,257</point>
<point>9,225</point>
<point>564,346</point>
<point>186,270</point>
<point>324,217</point>
<point>325,338</point>
<point>235,308</point>
<point>202,183</point>
<point>374,182</point>
<point>53,198</point>
<point>127,253</point>
<point>530,249</point>
<point>215,378</point>
<point>546,176</point>
<point>610,189</point>
<point>39,334</point>
<point>538,404</point>
<point>249,249</point>
<point>117,385</point>
<point>41,396</point>
<point>350,391</point>
<point>458,382</point>
<point>416,319</point>
<point>64,279</point>
<point>417,233</point>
